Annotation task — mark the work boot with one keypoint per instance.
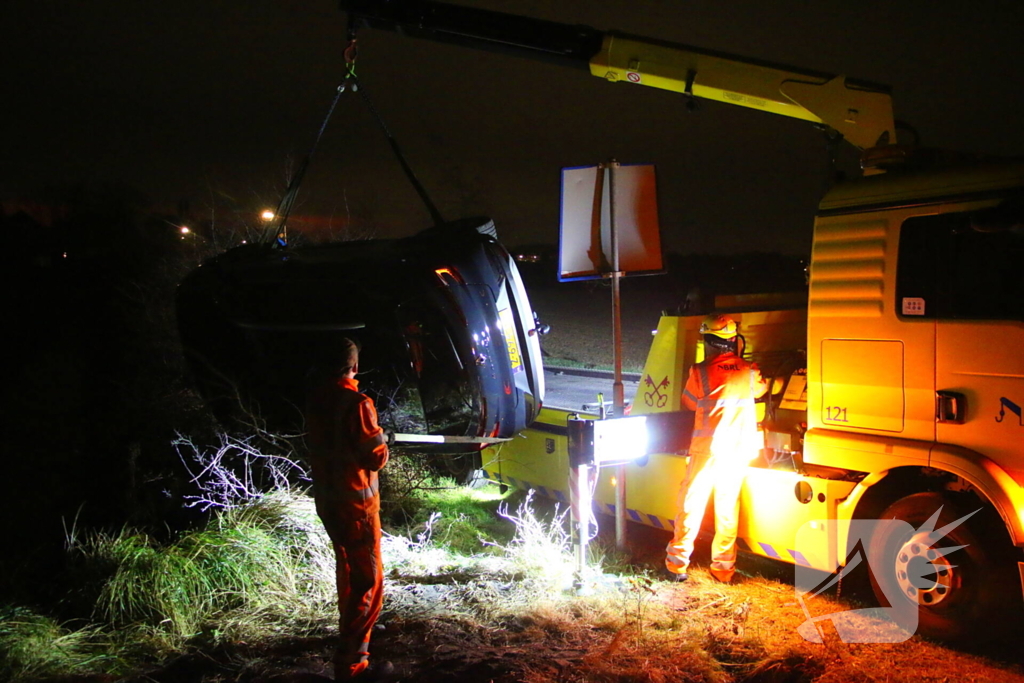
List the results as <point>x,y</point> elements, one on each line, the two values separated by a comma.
<point>678,577</point>
<point>347,670</point>
<point>376,671</point>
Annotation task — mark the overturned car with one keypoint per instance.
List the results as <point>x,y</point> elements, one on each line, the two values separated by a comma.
<point>448,334</point>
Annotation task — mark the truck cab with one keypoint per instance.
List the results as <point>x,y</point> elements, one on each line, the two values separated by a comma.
<point>912,390</point>
<point>916,325</point>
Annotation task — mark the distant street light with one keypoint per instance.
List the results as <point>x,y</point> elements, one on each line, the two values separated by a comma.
<point>267,215</point>
<point>185,230</point>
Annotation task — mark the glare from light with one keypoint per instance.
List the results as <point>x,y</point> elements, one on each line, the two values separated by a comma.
<point>268,215</point>
<point>489,493</point>
<point>614,481</point>
<point>185,230</point>
<point>623,438</point>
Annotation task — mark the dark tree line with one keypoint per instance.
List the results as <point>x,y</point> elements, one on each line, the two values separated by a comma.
<point>94,385</point>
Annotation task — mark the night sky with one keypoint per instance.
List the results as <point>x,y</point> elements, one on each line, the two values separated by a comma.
<point>214,101</point>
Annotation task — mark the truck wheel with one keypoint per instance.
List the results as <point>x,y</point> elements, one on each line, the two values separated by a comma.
<point>957,596</point>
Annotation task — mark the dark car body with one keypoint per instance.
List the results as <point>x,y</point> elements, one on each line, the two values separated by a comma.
<point>447,331</point>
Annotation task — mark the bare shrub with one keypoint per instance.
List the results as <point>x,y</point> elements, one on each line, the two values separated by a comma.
<point>235,471</point>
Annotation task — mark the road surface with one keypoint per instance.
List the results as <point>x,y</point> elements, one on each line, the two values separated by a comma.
<point>578,389</point>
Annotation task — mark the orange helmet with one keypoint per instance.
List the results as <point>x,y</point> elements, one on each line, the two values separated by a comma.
<point>721,326</point>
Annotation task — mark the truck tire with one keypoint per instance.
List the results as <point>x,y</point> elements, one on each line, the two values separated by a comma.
<point>968,591</point>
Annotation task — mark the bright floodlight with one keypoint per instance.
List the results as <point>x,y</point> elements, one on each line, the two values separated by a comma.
<point>602,442</point>
<point>267,215</point>
<point>620,439</point>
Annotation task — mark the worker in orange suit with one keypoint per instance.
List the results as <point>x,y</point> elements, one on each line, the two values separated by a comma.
<point>721,390</point>
<point>347,449</point>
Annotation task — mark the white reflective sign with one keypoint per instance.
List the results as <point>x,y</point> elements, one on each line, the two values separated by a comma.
<point>585,244</point>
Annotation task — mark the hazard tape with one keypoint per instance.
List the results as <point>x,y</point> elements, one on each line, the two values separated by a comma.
<point>563,497</point>
<point>768,550</point>
<point>560,496</point>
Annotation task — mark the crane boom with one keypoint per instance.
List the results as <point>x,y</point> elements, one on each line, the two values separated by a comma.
<point>860,111</point>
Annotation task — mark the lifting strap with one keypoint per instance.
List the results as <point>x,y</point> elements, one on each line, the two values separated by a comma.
<point>278,229</point>
<point>435,215</point>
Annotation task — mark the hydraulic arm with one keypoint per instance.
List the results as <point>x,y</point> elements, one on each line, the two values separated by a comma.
<point>860,111</point>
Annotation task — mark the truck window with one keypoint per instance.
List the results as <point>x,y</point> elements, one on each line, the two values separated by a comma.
<point>953,266</point>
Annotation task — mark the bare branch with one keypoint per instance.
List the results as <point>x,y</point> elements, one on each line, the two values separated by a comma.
<point>235,472</point>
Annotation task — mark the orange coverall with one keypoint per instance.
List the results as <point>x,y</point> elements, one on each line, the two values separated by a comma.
<point>725,439</point>
<point>347,449</point>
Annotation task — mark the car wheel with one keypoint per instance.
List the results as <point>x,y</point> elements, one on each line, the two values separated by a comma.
<point>462,467</point>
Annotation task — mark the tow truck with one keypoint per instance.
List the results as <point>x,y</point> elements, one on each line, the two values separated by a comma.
<point>897,383</point>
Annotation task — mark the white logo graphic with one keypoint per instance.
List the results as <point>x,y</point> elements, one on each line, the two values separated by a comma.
<point>910,569</point>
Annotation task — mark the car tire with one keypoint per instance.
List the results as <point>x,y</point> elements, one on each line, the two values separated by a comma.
<point>462,467</point>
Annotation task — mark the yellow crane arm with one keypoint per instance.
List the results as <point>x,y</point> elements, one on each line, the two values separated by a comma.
<point>861,112</point>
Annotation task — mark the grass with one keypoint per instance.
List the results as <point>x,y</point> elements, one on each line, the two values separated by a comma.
<point>252,571</point>
<point>248,573</point>
<point>571,364</point>
<point>36,646</point>
<point>480,586</point>
<point>259,560</point>
<point>266,568</point>
<point>581,326</point>
<point>416,501</point>
<point>466,519</point>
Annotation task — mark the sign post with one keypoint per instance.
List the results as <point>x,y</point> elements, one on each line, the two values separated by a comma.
<point>609,229</point>
<point>593,444</point>
<point>618,394</point>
